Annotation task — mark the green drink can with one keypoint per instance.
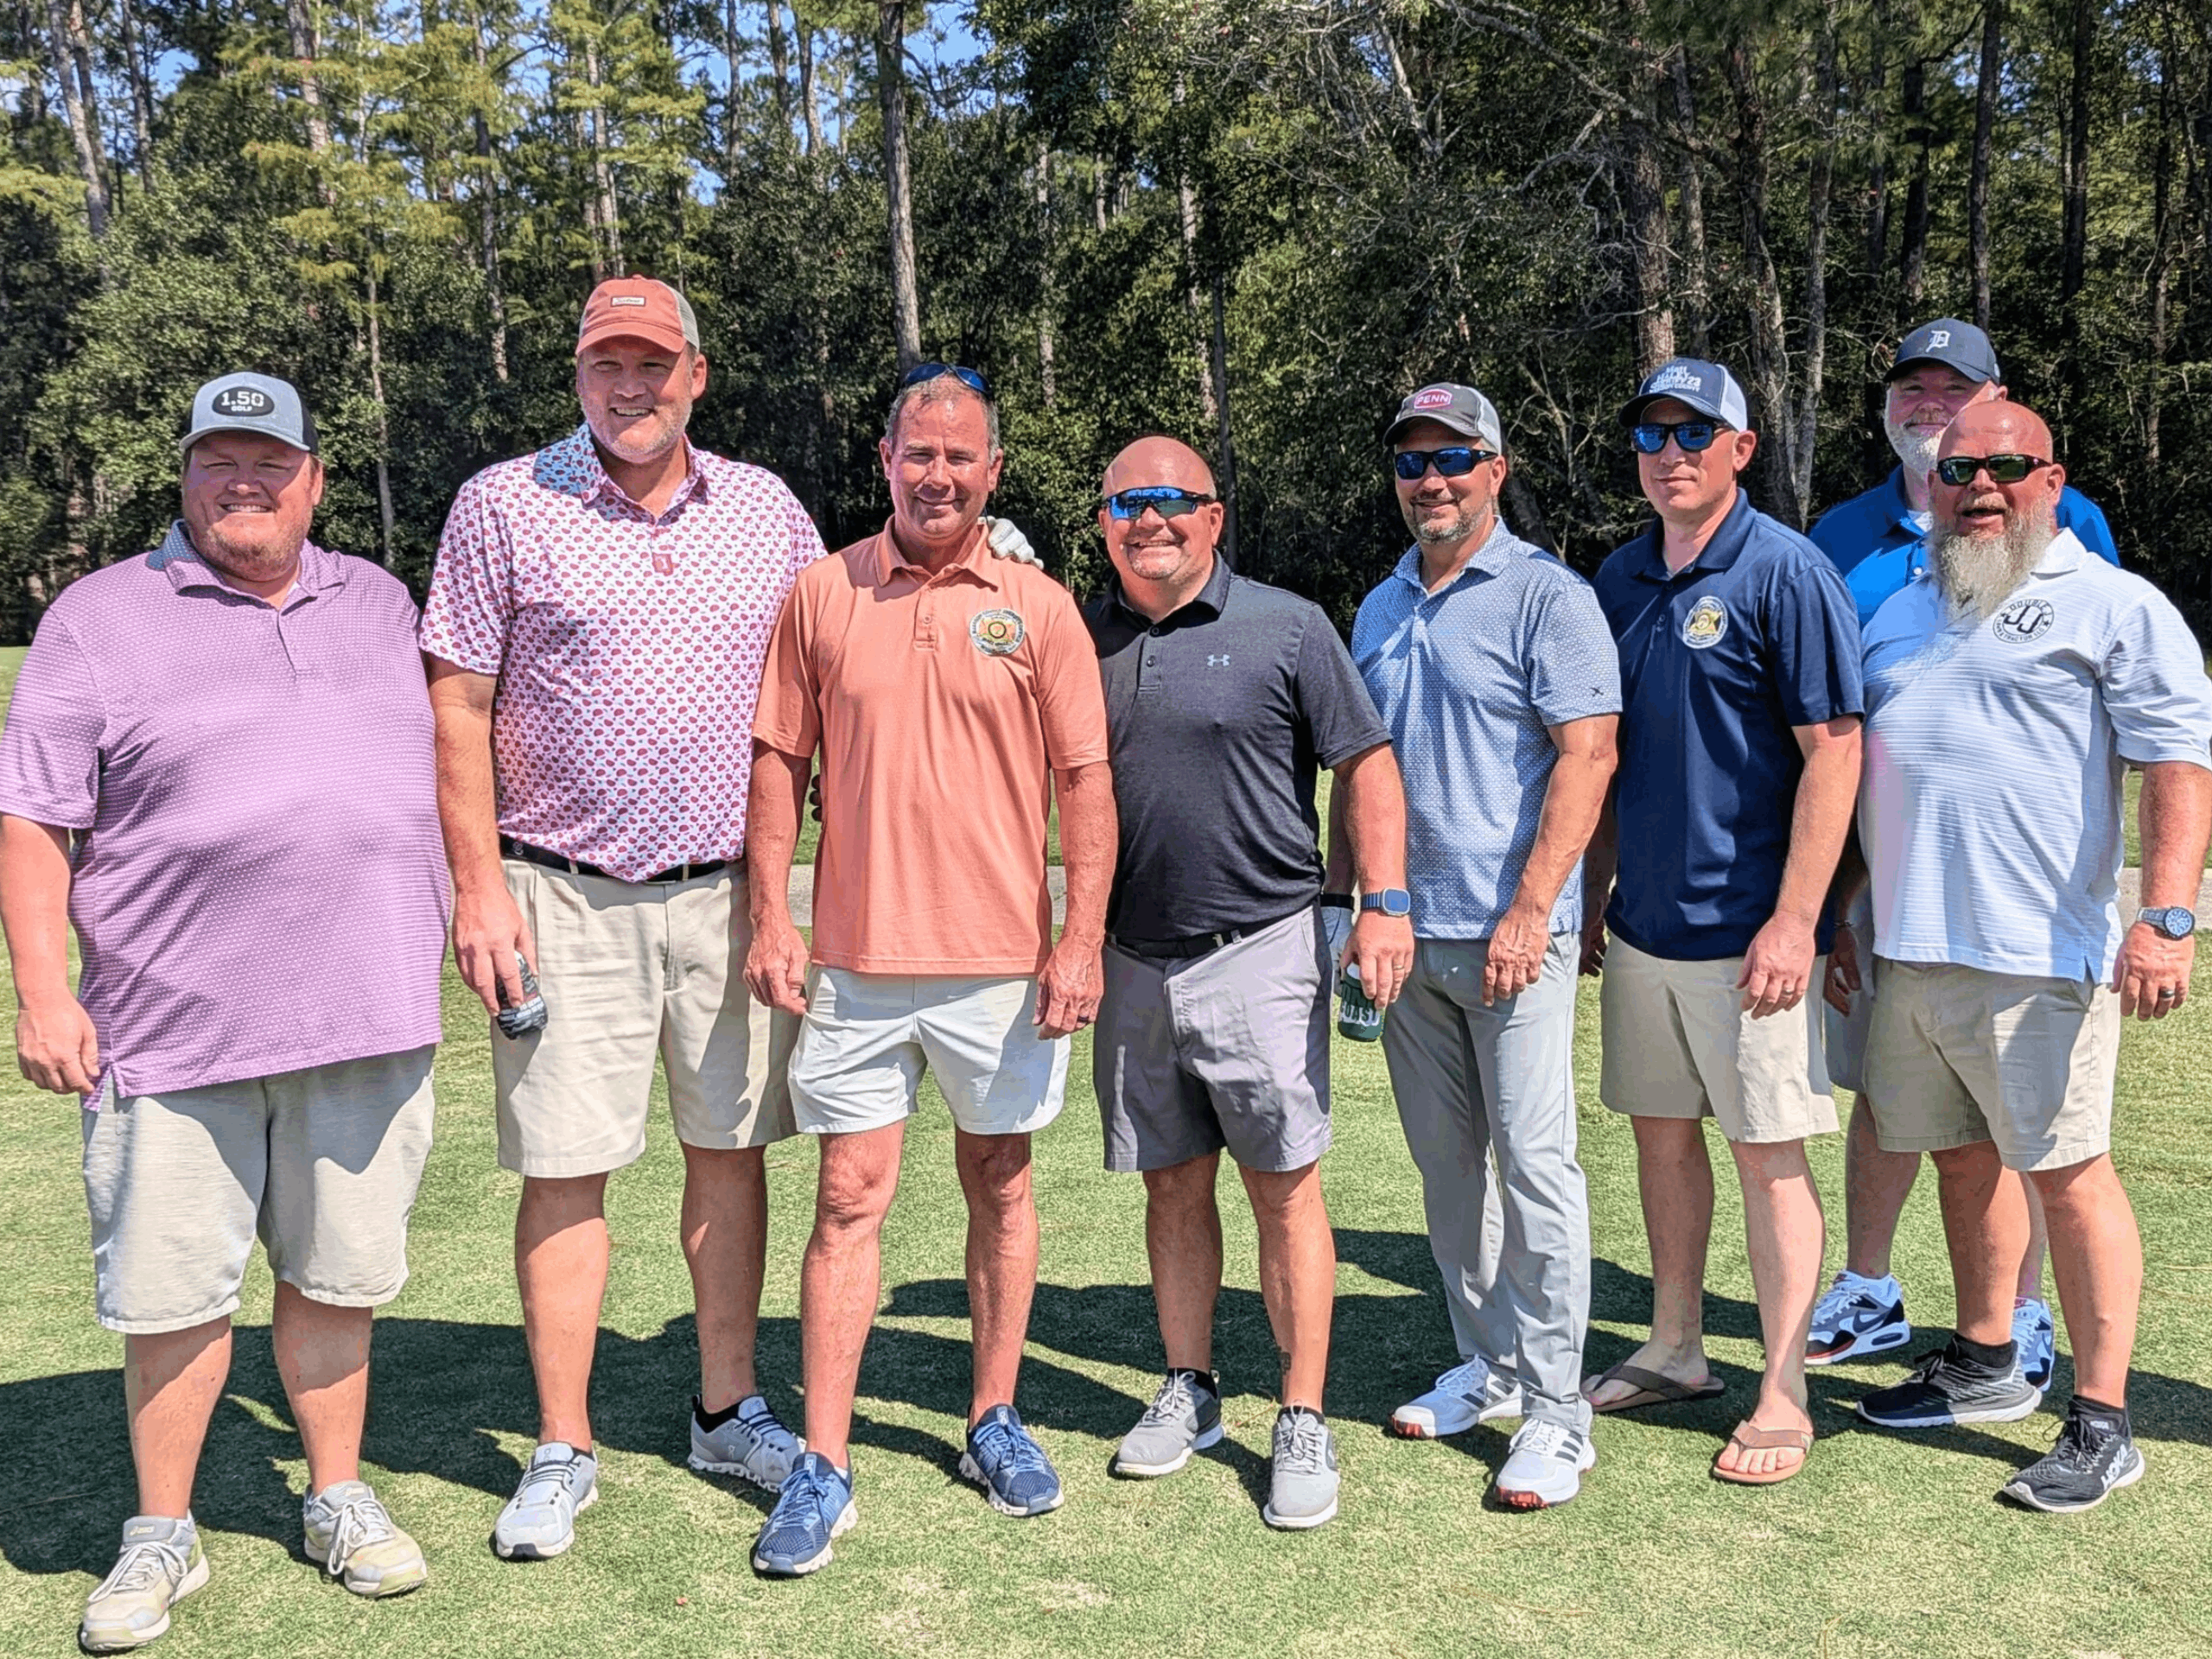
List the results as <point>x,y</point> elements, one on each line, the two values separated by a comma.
<point>1357,1017</point>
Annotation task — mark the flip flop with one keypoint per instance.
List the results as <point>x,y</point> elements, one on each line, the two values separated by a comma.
<point>1651,1389</point>
<point>1750,1437</point>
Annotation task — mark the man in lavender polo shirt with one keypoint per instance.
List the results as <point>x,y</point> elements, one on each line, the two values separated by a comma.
<point>218,767</point>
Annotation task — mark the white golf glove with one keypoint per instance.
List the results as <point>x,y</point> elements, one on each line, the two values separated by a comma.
<point>1008,542</point>
<point>1336,923</point>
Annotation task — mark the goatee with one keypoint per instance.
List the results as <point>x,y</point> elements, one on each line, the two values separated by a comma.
<point>1979,573</point>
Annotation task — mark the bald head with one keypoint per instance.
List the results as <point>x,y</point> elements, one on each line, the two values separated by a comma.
<point>1997,429</point>
<point>1159,460</point>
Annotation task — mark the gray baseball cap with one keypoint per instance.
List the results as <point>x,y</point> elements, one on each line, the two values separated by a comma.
<point>1463,409</point>
<point>1956,344</point>
<point>251,402</point>
<point>1706,387</point>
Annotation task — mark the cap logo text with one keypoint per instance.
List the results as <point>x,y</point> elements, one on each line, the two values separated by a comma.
<point>1676,377</point>
<point>1433,397</point>
<point>625,299</point>
<point>1938,339</point>
<point>242,400</point>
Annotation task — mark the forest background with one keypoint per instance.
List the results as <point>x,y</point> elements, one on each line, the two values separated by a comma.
<point>1252,222</point>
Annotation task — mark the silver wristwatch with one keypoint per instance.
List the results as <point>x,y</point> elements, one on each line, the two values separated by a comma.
<point>2174,921</point>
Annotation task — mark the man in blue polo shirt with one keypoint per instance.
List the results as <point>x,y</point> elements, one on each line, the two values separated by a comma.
<point>1739,762</point>
<point>1495,670</point>
<point>1877,541</point>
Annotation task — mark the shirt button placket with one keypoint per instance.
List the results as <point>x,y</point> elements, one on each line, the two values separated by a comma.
<point>1148,667</point>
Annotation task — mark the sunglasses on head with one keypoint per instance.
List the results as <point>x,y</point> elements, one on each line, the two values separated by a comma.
<point>968,378</point>
<point>1163,498</point>
<point>1957,470</point>
<point>1649,437</point>
<point>1454,462</point>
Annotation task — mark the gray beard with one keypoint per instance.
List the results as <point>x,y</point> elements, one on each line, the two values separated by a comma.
<point>1916,450</point>
<point>1462,526</point>
<point>1978,574</point>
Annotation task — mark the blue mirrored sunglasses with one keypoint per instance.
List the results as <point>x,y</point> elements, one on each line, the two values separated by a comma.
<point>968,378</point>
<point>1165,499</point>
<point>1454,462</point>
<point>1649,437</point>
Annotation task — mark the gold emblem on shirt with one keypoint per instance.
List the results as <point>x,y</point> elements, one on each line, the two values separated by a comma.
<point>1703,626</point>
<point>997,633</point>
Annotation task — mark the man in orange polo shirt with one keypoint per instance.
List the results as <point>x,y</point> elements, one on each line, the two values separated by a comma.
<point>952,697</point>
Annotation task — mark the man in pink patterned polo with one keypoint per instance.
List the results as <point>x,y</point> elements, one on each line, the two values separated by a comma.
<point>596,628</point>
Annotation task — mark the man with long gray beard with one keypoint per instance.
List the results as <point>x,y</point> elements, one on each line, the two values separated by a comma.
<point>2008,687</point>
<point>1876,540</point>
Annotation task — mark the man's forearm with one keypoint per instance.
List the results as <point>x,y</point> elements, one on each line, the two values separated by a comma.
<point>2175,815</point>
<point>35,906</point>
<point>1827,793</point>
<point>771,830</point>
<point>1375,818</point>
<point>468,814</point>
<point>1574,797</point>
<point>1090,836</point>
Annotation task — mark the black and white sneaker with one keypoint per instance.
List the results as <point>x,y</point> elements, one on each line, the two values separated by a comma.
<point>1947,1387</point>
<point>2096,1457</point>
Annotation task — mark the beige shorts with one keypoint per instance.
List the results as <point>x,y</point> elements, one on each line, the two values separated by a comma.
<point>1678,1043</point>
<point>632,970</point>
<point>868,1037</point>
<point>1959,1055</point>
<point>322,1164</point>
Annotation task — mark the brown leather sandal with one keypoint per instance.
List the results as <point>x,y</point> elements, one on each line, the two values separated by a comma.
<point>1651,1389</point>
<point>1750,1437</point>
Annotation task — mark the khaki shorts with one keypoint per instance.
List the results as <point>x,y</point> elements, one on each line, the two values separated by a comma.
<point>1960,1055</point>
<point>1843,1036</point>
<point>1230,1049</point>
<point>868,1038</point>
<point>632,970</point>
<point>322,1164</point>
<point>1678,1043</point>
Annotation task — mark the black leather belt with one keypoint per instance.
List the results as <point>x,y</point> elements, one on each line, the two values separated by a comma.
<point>1198,944</point>
<point>509,847</point>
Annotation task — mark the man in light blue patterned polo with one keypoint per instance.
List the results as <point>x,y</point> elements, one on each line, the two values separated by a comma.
<point>1494,669</point>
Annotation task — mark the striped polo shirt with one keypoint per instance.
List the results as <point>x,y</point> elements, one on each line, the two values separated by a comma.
<point>1990,803</point>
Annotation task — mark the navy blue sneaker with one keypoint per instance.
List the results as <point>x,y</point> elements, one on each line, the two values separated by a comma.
<point>814,1506</point>
<point>2038,1338</point>
<point>1009,1466</point>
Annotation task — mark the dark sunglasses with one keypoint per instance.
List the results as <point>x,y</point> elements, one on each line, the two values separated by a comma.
<point>1163,498</point>
<point>1649,437</point>
<point>968,378</point>
<point>1957,470</point>
<point>1455,462</point>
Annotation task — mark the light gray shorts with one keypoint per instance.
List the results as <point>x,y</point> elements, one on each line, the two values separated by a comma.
<point>1230,1049</point>
<point>322,1164</point>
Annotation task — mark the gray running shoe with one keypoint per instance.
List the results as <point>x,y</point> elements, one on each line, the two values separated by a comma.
<point>1303,1492</point>
<point>159,1565</point>
<point>751,1444</point>
<point>1545,1465</point>
<point>1947,1387</point>
<point>1183,1417</point>
<point>2094,1457</point>
<point>350,1535</point>
<point>540,1520</point>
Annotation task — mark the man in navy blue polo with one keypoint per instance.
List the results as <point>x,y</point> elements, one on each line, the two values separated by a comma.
<point>1877,541</point>
<point>1740,764</point>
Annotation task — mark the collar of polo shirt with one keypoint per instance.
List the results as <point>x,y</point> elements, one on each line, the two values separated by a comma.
<point>1214,596</point>
<point>1718,554</point>
<point>600,483</point>
<point>974,561</point>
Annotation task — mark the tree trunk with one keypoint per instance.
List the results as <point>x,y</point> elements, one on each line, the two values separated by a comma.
<point>1098,193</point>
<point>1912,250</point>
<point>1692,192</point>
<point>1876,100</point>
<point>2074,233</point>
<point>780,65</point>
<point>808,111</point>
<point>1987,78</point>
<point>1768,353</point>
<point>1045,286</point>
<point>1187,200</point>
<point>898,185</point>
<point>602,170</point>
<point>1225,455</point>
<point>487,218</point>
<point>2162,252</point>
<point>142,95</point>
<point>65,21</point>
<point>1645,201</point>
<point>1819,194</point>
<point>384,430</point>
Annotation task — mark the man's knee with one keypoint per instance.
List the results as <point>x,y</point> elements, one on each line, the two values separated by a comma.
<point>854,1189</point>
<point>2077,1189</point>
<point>994,1169</point>
<point>1184,1188</point>
<point>1770,1163</point>
<point>1283,1193</point>
<point>562,1201</point>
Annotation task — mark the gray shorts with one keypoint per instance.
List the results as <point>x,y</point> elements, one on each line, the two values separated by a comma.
<point>321,1163</point>
<point>1844,1038</point>
<point>1230,1049</point>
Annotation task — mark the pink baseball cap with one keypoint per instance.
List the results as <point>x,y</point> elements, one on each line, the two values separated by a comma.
<point>638,307</point>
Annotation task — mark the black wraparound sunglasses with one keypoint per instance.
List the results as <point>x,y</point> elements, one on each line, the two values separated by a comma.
<point>1957,470</point>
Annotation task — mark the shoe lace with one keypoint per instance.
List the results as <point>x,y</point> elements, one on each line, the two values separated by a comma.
<point>1175,1400</point>
<point>1002,1448</point>
<point>553,1472</point>
<point>2075,1452</point>
<point>360,1521</point>
<point>767,1429</point>
<point>1543,1438</point>
<point>1838,1299</point>
<point>1301,1439</point>
<point>139,1565</point>
<point>802,1491</point>
<point>1470,1376</point>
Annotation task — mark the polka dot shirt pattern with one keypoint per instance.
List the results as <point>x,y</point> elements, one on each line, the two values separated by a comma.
<point>628,647</point>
